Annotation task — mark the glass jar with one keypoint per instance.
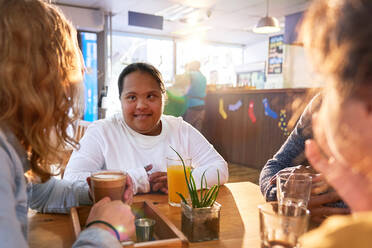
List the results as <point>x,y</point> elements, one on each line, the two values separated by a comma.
<point>201,224</point>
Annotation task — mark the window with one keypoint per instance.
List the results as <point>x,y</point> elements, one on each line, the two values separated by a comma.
<point>130,48</point>
<point>218,61</point>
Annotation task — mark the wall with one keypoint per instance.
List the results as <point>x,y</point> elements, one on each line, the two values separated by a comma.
<point>256,52</point>
<point>83,18</point>
<point>259,53</point>
<point>297,71</point>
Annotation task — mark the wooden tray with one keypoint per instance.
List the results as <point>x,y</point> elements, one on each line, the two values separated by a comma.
<point>166,234</point>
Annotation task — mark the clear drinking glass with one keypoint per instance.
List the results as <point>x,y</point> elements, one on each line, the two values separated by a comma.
<point>200,224</point>
<point>176,180</point>
<point>293,189</point>
<point>277,230</point>
<point>144,229</point>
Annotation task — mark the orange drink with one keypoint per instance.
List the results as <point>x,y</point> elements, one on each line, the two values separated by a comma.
<point>177,181</point>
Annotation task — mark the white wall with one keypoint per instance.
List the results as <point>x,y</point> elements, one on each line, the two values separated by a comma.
<point>297,71</point>
<point>83,18</point>
<point>256,52</point>
<point>259,53</point>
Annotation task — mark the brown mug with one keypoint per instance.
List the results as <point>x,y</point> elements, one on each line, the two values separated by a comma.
<point>108,183</point>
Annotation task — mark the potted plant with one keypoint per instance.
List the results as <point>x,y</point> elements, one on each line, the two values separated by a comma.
<point>201,213</point>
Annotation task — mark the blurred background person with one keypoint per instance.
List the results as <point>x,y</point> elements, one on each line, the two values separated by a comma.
<point>195,95</point>
<point>176,102</point>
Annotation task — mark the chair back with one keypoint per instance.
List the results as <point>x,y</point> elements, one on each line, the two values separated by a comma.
<point>80,129</point>
<point>79,133</point>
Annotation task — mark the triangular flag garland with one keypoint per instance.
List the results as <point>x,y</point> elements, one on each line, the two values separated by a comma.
<point>251,112</point>
<point>221,109</point>
<point>268,110</point>
<point>236,106</point>
<point>283,122</point>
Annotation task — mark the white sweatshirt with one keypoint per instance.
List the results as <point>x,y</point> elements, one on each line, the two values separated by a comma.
<point>111,144</point>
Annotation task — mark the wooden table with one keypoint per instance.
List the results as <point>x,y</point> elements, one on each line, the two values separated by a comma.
<point>239,226</point>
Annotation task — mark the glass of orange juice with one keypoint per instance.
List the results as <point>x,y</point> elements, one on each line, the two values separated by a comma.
<point>176,180</point>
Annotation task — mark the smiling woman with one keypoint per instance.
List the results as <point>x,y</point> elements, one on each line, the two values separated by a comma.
<point>142,99</point>
<point>138,140</point>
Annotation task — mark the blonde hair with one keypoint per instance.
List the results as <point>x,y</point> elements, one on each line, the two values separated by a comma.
<point>38,52</point>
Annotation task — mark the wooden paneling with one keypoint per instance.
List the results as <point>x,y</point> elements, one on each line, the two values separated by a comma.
<point>239,140</point>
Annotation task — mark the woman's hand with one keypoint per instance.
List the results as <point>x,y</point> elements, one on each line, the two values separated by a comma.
<point>128,193</point>
<point>319,212</point>
<point>356,192</point>
<point>158,182</point>
<point>116,213</point>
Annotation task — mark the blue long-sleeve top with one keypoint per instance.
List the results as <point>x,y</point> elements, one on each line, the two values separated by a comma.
<point>291,153</point>
<point>197,90</point>
<point>56,196</point>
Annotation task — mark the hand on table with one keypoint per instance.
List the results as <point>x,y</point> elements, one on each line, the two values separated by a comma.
<point>319,211</point>
<point>115,213</point>
<point>158,180</point>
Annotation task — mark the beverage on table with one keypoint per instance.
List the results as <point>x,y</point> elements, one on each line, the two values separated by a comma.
<point>108,183</point>
<point>176,180</point>
<point>293,189</point>
<point>282,231</point>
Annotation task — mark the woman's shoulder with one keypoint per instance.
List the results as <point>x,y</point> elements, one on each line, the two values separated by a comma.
<point>174,122</point>
<point>178,125</point>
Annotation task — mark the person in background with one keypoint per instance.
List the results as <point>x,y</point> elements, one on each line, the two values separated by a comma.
<point>195,96</point>
<point>40,70</point>
<point>337,35</point>
<point>291,158</point>
<point>138,140</point>
<point>176,101</point>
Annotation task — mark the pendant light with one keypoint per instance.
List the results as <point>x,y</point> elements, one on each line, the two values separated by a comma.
<point>267,24</point>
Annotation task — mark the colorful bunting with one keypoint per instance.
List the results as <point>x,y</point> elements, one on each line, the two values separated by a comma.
<point>222,110</point>
<point>283,122</point>
<point>251,112</point>
<point>268,110</point>
<point>236,106</point>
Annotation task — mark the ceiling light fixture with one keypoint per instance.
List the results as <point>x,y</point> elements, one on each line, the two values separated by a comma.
<point>267,24</point>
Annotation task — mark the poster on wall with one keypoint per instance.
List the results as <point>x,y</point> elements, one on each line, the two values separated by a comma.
<point>89,50</point>
<point>275,58</point>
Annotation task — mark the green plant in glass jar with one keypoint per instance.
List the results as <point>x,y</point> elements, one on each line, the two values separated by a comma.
<point>200,213</point>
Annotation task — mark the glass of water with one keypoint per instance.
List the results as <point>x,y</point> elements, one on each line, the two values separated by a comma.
<point>293,189</point>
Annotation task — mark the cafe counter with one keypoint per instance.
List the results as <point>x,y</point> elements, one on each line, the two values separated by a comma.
<point>247,127</point>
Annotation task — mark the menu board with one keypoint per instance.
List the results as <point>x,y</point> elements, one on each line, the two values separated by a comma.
<point>275,58</point>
